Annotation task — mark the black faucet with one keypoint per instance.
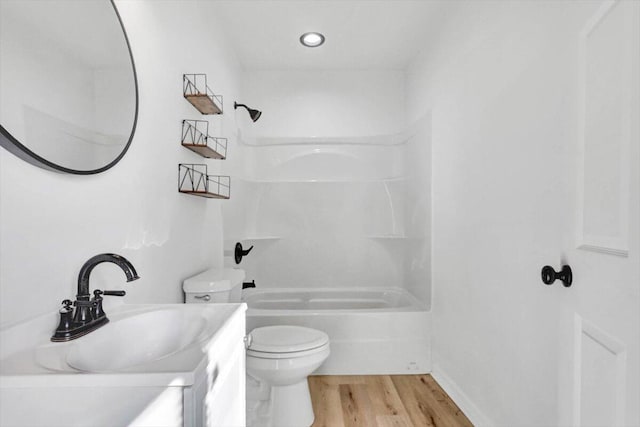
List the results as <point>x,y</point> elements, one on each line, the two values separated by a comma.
<point>89,314</point>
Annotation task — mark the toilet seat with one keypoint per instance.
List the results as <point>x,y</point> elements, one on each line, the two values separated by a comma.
<point>285,341</point>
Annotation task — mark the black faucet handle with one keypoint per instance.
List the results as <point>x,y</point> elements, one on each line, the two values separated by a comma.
<point>66,306</point>
<point>114,293</point>
<point>98,292</point>
<point>65,324</point>
<point>240,252</point>
<point>97,311</point>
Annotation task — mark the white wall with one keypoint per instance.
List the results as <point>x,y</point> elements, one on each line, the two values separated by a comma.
<point>503,97</point>
<point>325,103</point>
<point>50,223</point>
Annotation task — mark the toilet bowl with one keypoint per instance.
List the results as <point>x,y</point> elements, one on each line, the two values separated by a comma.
<point>281,358</point>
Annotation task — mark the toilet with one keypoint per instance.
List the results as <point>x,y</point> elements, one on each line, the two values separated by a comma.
<point>282,357</point>
<point>279,358</point>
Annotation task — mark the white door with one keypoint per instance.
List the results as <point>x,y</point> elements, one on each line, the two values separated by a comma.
<point>599,367</point>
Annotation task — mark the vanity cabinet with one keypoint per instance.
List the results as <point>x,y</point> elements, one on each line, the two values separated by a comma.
<point>218,396</point>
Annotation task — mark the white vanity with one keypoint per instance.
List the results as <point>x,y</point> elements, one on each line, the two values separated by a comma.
<point>151,365</point>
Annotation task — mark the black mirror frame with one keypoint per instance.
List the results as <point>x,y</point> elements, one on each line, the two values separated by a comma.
<point>14,146</point>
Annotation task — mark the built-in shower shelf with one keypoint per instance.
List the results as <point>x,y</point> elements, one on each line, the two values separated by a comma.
<point>198,93</point>
<point>193,179</point>
<point>195,137</point>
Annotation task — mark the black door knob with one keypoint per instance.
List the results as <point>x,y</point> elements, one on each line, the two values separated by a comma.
<point>549,275</point>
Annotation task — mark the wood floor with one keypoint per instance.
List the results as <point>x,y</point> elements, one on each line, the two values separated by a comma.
<point>382,401</point>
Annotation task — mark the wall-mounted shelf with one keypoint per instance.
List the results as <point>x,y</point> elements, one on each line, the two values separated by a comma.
<point>195,137</point>
<point>197,92</point>
<point>193,179</point>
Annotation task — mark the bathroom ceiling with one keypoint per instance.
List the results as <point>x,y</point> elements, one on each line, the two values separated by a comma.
<point>381,34</point>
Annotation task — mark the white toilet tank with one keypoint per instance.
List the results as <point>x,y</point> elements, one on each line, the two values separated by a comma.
<point>216,285</point>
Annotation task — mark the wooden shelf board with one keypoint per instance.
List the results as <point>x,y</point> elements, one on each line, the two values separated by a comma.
<point>204,104</point>
<point>205,194</point>
<point>205,151</point>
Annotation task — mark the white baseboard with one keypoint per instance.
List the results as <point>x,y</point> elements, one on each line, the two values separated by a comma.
<point>477,418</point>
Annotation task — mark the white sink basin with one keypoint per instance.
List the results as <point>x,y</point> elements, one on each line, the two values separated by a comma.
<point>162,338</point>
<point>137,339</point>
<point>150,365</point>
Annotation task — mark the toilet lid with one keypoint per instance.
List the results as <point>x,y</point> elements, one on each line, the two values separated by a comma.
<point>286,339</point>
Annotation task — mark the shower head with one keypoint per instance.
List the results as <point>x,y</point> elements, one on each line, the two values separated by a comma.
<point>254,114</point>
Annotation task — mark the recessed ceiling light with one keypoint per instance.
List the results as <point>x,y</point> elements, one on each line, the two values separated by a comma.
<point>312,39</point>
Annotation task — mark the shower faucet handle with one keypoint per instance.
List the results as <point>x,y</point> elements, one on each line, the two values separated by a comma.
<point>240,252</point>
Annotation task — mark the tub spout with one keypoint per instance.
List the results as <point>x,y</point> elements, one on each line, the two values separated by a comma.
<point>251,284</point>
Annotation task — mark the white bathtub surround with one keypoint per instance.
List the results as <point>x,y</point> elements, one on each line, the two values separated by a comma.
<point>329,181</point>
<point>372,331</point>
<point>160,365</point>
<point>334,211</point>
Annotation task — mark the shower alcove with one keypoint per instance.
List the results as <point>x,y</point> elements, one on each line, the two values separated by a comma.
<point>333,224</point>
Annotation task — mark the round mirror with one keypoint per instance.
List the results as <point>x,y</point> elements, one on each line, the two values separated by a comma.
<point>68,89</point>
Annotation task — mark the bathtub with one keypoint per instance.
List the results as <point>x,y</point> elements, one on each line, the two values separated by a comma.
<point>372,330</point>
